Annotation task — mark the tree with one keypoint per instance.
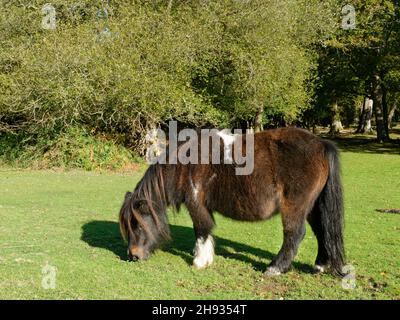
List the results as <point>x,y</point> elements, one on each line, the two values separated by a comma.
<point>364,124</point>
<point>369,56</point>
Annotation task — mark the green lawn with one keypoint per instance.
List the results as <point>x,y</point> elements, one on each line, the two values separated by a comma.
<point>69,220</point>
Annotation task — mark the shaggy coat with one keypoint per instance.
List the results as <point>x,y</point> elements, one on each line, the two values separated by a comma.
<point>295,174</point>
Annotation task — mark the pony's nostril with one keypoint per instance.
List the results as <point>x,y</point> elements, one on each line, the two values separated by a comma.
<point>133,257</point>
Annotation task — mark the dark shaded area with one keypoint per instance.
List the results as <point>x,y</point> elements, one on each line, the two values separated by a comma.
<point>105,234</point>
<point>388,210</point>
<point>366,144</point>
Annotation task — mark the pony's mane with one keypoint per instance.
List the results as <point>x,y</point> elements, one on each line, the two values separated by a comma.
<point>150,190</point>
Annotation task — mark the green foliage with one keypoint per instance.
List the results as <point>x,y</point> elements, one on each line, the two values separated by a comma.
<point>122,68</point>
<point>208,63</point>
<point>350,60</point>
<point>74,148</point>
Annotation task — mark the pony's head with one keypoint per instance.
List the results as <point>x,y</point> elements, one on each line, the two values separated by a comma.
<point>141,227</point>
<point>143,221</point>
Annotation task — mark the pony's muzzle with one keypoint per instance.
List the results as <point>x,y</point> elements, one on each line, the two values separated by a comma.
<point>136,254</point>
<point>133,257</point>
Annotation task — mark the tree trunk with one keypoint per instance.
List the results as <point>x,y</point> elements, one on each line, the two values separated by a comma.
<point>390,117</point>
<point>364,125</point>
<point>362,117</point>
<point>258,121</point>
<point>385,111</point>
<point>382,132</point>
<point>336,125</point>
<point>368,116</point>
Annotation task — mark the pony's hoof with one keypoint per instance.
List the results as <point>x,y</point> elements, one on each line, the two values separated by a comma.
<point>199,263</point>
<point>272,272</point>
<point>319,269</point>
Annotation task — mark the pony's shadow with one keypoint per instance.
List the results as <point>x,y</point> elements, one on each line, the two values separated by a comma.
<point>106,235</point>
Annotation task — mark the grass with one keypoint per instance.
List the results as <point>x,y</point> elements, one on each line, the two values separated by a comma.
<point>68,220</point>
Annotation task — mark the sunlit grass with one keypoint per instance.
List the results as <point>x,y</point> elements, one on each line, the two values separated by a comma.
<point>69,220</point>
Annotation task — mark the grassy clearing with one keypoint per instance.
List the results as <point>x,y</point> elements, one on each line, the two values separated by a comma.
<point>68,219</point>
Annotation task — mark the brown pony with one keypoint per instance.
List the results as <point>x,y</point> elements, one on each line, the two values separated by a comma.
<point>295,174</point>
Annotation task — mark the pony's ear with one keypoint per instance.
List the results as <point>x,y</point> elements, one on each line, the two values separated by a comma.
<point>128,195</point>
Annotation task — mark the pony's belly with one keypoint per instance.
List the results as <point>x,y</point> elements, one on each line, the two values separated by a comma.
<point>258,213</point>
<point>261,215</point>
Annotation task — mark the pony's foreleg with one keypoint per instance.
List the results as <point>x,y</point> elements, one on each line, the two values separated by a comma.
<point>203,252</point>
<point>293,233</point>
<point>203,224</point>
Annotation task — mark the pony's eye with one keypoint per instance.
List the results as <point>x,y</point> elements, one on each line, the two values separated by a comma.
<point>143,207</point>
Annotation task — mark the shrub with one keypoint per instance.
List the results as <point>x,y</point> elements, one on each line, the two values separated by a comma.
<point>74,148</point>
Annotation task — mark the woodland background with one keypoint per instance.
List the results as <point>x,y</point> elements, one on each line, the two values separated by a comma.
<point>83,94</point>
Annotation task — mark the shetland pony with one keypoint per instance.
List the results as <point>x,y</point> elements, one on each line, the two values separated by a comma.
<point>295,174</point>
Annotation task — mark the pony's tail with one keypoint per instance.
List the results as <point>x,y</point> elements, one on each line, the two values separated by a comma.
<point>331,212</point>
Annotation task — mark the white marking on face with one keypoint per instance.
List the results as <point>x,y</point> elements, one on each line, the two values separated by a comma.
<point>203,252</point>
<point>228,139</point>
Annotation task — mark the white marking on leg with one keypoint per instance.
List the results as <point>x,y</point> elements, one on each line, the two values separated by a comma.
<point>319,268</point>
<point>194,186</point>
<point>228,139</point>
<point>195,189</point>
<point>203,252</point>
<point>212,178</point>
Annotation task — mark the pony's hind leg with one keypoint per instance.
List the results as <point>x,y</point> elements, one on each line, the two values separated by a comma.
<point>322,260</point>
<point>293,233</point>
<point>203,224</point>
